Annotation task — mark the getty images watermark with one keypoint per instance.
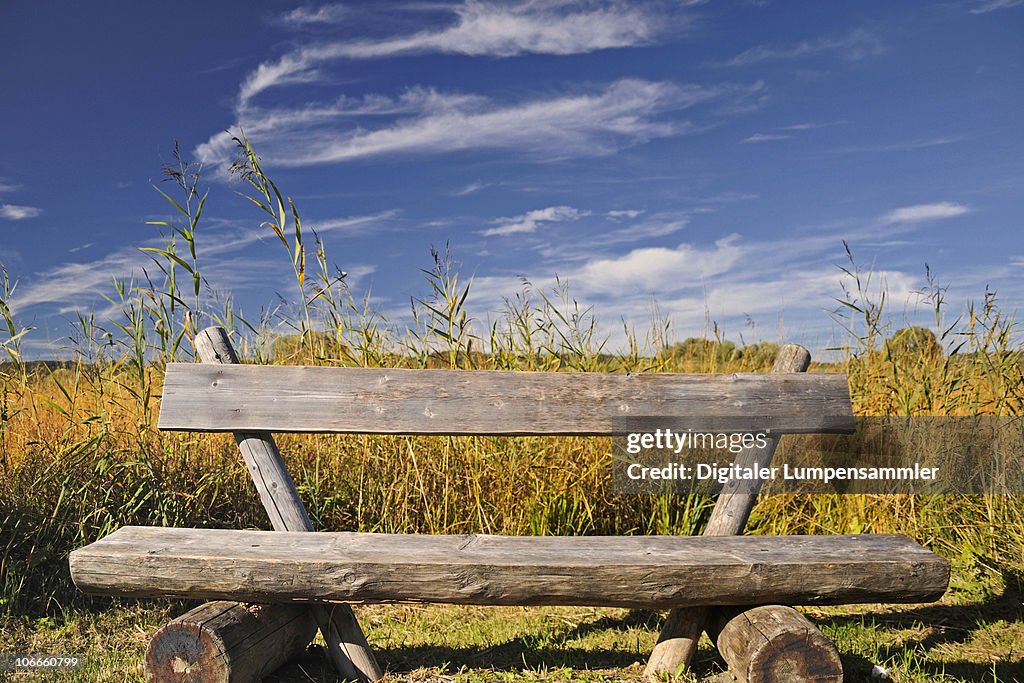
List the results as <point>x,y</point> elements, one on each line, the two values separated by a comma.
<point>883,455</point>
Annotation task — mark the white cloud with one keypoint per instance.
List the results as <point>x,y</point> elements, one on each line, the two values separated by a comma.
<point>658,269</point>
<point>530,221</point>
<point>233,235</point>
<point>925,212</point>
<point>729,197</point>
<point>624,113</point>
<point>856,45</point>
<point>766,137</point>
<point>350,224</point>
<point>907,146</point>
<point>480,29</point>
<point>7,186</point>
<point>471,188</point>
<point>811,126</point>
<point>786,292</point>
<point>74,286</point>
<point>659,225</point>
<point>993,5</point>
<point>326,14</point>
<point>625,213</point>
<point>13,212</point>
<point>71,283</point>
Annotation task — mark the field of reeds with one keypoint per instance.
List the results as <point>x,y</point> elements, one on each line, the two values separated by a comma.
<point>80,456</point>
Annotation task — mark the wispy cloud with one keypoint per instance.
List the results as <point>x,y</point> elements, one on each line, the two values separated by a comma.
<point>352,224</point>
<point>230,237</point>
<point>925,212</point>
<point>856,45</point>
<point>480,29</point>
<point>471,188</point>
<point>325,14</point>
<point>13,212</point>
<point>624,213</point>
<point>993,5</point>
<point>766,137</point>
<point>423,121</point>
<point>811,126</point>
<point>729,197</point>
<point>73,283</point>
<point>907,146</point>
<point>8,186</point>
<point>79,285</point>
<point>531,220</point>
<point>658,225</point>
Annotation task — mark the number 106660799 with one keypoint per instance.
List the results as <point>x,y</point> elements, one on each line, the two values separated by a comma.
<point>16,662</point>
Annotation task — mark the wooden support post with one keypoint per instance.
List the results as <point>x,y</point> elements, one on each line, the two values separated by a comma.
<point>677,642</point>
<point>774,644</point>
<point>228,642</point>
<point>346,645</point>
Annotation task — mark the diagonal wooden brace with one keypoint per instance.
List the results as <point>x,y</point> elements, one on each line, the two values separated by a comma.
<point>677,642</point>
<point>346,645</point>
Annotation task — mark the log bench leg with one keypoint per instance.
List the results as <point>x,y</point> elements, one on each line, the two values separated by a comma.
<point>228,642</point>
<point>346,645</point>
<point>774,644</point>
<point>677,642</point>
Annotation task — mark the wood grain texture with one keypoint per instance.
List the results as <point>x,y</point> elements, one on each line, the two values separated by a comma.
<point>228,642</point>
<point>346,644</point>
<point>612,571</point>
<point>242,398</point>
<point>774,644</point>
<point>677,642</point>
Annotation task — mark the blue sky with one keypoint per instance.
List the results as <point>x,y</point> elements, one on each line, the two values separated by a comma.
<point>709,156</point>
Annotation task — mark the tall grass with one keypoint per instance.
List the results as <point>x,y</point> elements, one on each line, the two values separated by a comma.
<point>80,454</point>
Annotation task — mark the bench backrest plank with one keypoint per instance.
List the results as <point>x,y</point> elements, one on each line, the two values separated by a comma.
<point>240,398</point>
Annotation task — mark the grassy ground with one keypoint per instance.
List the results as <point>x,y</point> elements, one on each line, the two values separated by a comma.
<point>954,640</point>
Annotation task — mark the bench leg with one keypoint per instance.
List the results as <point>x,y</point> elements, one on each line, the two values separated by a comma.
<point>346,644</point>
<point>774,643</point>
<point>221,642</point>
<point>677,642</point>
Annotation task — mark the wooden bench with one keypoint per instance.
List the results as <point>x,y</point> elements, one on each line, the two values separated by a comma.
<point>288,567</point>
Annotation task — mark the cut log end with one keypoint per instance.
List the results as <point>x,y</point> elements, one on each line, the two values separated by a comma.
<point>185,652</point>
<point>227,642</point>
<point>775,644</point>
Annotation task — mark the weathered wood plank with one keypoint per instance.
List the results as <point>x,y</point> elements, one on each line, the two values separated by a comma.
<point>677,642</point>
<point>243,398</point>
<point>346,644</point>
<point>613,571</point>
<point>774,644</point>
<point>227,642</point>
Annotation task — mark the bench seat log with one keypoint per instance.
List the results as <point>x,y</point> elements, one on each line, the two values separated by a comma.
<point>649,572</point>
<point>240,398</point>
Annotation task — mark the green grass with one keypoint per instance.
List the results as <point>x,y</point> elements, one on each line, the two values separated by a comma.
<point>950,641</point>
